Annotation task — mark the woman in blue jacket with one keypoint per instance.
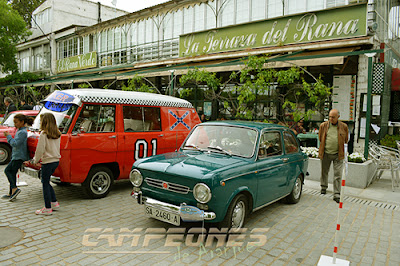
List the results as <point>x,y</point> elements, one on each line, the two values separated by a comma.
<point>19,154</point>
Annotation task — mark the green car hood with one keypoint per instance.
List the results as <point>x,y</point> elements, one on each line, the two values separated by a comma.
<point>191,163</point>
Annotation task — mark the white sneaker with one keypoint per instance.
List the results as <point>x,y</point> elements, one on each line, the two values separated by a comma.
<point>55,205</point>
<point>44,211</point>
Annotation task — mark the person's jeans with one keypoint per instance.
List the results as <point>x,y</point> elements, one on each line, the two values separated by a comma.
<point>11,172</point>
<point>337,172</point>
<point>48,191</point>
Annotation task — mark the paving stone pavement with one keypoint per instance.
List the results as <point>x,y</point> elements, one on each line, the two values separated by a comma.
<point>114,230</point>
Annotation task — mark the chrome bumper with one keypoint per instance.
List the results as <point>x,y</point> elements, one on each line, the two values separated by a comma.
<point>32,172</point>
<point>166,206</point>
<point>36,173</point>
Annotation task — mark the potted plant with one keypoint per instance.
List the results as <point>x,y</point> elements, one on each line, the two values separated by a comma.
<point>360,170</point>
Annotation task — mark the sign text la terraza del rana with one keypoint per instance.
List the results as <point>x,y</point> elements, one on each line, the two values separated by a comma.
<point>338,23</point>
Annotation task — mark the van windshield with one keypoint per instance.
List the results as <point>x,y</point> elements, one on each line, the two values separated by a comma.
<point>63,117</point>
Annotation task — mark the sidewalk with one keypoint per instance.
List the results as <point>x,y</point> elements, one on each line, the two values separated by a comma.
<point>380,190</point>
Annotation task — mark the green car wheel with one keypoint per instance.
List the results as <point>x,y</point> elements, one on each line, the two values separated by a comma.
<point>236,213</point>
<point>295,195</point>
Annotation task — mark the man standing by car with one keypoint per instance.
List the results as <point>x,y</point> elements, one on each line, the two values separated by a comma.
<point>10,107</point>
<point>333,134</point>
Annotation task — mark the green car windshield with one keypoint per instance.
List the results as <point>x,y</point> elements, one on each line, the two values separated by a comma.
<point>231,140</point>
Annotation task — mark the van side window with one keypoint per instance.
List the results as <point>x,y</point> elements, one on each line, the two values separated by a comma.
<point>152,118</point>
<point>139,119</point>
<point>96,118</point>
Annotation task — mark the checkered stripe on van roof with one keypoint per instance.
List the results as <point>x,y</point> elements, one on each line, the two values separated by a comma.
<point>150,102</point>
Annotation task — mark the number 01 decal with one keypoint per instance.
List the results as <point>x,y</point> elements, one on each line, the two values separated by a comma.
<point>141,147</point>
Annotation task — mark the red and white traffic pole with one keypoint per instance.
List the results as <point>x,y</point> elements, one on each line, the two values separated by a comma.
<point>326,260</point>
<point>344,175</point>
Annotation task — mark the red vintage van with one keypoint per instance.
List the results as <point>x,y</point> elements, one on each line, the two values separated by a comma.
<point>105,131</point>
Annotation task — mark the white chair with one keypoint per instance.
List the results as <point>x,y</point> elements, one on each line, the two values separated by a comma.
<point>398,144</point>
<point>394,156</point>
<point>385,158</point>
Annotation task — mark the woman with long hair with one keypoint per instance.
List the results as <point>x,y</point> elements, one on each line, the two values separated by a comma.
<point>48,151</point>
<point>19,154</point>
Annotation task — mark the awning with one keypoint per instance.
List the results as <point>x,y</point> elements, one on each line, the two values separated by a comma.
<point>396,79</point>
<point>299,58</point>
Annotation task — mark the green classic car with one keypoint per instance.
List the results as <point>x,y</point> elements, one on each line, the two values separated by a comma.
<point>223,171</point>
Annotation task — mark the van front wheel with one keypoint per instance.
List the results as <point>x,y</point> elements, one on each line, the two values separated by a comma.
<point>98,182</point>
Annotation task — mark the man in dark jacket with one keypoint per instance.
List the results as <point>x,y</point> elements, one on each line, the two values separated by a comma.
<point>10,107</point>
<point>333,134</point>
<point>25,106</point>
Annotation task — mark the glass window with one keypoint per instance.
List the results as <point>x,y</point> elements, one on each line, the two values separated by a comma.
<point>258,9</point>
<point>291,145</point>
<point>177,23</point>
<point>188,20</point>
<point>75,44</point>
<point>63,118</point>
<point>110,34</point>
<point>103,41</point>
<point>199,17</point>
<point>42,17</point>
<point>141,32</point>
<point>65,49</point>
<point>242,11</point>
<point>295,6</point>
<point>270,144</point>
<point>168,25</point>
<point>223,139</point>
<point>228,14</point>
<point>314,5</point>
<point>117,38</point>
<point>70,47</point>
<point>85,44</point>
<point>96,118</point>
<point>210,16</point>
<point>124,34</point>
<point>138,119</point>
<point>80,44</point>
<point>134,39</point>
<point>274,8</point>
<point>334,3</point>
<point>152,119</point>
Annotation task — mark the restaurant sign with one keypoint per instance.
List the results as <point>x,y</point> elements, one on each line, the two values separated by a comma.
<point>338,23</point>
<point>78,62</point>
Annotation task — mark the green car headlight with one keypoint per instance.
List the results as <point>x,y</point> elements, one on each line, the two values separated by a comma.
<point>136,177</point>
<point>202,193</point>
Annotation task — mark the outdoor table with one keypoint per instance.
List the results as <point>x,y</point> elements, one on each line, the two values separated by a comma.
<point>309,139</point>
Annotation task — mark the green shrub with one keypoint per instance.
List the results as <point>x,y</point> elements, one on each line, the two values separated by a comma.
<point>390,141</point>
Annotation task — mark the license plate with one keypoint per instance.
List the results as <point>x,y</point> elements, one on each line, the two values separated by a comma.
<point>161,215</point>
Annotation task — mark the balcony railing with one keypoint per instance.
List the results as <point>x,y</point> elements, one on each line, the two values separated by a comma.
<point>140,53</point>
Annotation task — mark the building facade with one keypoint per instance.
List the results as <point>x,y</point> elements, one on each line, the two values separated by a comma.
<point>52,22</point>
<point>347,41</point>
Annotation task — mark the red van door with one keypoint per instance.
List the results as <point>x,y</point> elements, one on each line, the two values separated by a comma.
<point>142,135</point>
<point>94,145</point>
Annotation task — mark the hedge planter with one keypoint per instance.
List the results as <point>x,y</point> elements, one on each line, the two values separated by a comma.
<point>359,173</point>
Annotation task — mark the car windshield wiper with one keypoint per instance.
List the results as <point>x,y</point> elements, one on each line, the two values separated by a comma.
<point>192,146</point>
<point>218,148</point>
